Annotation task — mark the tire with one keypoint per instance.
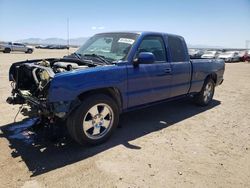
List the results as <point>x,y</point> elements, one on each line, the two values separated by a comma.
<point>205,96</point>
<point>94,120</point>
<point>29,51</point>
<point>7,50</point>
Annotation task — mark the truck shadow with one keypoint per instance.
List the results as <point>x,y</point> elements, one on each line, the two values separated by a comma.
<point>43,155</point>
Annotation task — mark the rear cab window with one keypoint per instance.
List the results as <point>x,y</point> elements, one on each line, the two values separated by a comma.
<point>177,49</point>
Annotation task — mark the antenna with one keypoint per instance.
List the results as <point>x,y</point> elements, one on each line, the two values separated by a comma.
<point>68,35</point>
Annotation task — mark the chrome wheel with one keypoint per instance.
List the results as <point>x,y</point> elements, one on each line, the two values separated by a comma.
<point>208,92</point>
<point>98,121</point>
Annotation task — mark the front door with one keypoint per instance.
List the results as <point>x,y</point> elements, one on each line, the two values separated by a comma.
<point>149,82</point>
<point>18,47</point>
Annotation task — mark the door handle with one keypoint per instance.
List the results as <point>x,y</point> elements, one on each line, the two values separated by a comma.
<point>168,70</point>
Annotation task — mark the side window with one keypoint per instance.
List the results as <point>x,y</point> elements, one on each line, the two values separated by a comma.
<point>155,45</point>
<point>176,49</point>
<point>18,44</point>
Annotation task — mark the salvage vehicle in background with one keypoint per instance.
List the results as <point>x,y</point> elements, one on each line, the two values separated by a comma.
<point>230,56</point>
<point>110,74</point>
<point>246,57</point>
<point>242,54</point>
<point>52,46</point>
<point>15,47</point>
<point>210,55</point>
<point>42,46</point>
<point>195,53</point>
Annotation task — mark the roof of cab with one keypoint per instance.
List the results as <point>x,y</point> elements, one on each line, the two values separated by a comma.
<point>143,33</point>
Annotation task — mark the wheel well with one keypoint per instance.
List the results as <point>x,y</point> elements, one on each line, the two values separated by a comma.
<point>112,92</point>
<point>213,76</point>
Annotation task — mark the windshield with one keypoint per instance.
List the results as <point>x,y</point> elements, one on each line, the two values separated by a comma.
<point>111,46</point>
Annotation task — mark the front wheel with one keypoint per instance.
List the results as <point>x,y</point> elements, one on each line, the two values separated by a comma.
<point>94,120</point>
<point>205,96</point>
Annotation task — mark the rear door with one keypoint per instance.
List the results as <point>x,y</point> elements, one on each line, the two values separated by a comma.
<point>149,82</point>
<point>180,65</point>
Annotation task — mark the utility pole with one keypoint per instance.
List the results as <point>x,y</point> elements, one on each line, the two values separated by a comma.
<point>68,34</point>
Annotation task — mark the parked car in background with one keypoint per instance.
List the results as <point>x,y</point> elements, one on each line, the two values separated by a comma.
<point>195,53</point>
<point>52,46</point>
<point>241,54</point>
<point>230,56</point>
<point>15,47</point>
<point>246,56</point>
<point>41,46</point>
<point>210,55</point>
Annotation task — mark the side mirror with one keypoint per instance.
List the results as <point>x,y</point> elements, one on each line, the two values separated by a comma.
<point>144,58</point>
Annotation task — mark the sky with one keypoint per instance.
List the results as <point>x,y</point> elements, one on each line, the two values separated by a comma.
<point>223,23</point>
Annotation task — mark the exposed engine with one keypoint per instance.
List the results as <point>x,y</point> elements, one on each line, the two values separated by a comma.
<point>36,76</point>
<point>31,80</point>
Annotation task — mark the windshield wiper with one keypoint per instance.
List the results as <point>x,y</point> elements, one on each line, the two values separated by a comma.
<point>82,61</point>
<point>100,58</point>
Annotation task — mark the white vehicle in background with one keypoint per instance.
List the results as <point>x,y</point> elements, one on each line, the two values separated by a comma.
<point>230,56</point>
<point>15,47</point>
<point>210,55</point>
<point>195,53</point>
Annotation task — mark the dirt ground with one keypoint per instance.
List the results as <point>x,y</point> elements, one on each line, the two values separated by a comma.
<point>175,144</point>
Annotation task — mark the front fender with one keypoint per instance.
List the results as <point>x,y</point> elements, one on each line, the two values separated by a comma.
<point>68,86</point>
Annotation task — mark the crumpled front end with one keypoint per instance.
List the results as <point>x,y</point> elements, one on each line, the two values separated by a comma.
<point>31,80</point>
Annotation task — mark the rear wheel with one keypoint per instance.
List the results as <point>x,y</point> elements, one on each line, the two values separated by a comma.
<point>94,120</point>
<point>7,50</point>
<point>29,51</point>
<point>205,96</point>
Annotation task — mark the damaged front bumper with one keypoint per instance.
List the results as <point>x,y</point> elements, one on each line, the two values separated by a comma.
<point>41,107</point>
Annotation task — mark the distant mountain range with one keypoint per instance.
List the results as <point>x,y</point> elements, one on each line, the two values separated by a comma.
<point>74,41</point>
<point>81,40</point>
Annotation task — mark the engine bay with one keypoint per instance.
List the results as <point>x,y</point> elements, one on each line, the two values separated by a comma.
<point>33,77</point>
<point>31,80</point>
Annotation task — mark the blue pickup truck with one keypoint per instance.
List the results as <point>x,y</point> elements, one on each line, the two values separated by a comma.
<point>112,73</point>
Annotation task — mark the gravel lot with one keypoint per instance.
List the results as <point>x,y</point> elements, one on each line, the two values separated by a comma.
<point>175,144</point>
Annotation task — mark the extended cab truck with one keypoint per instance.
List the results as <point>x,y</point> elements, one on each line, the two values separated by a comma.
<point>110,74</point>
<point>15,47</point>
